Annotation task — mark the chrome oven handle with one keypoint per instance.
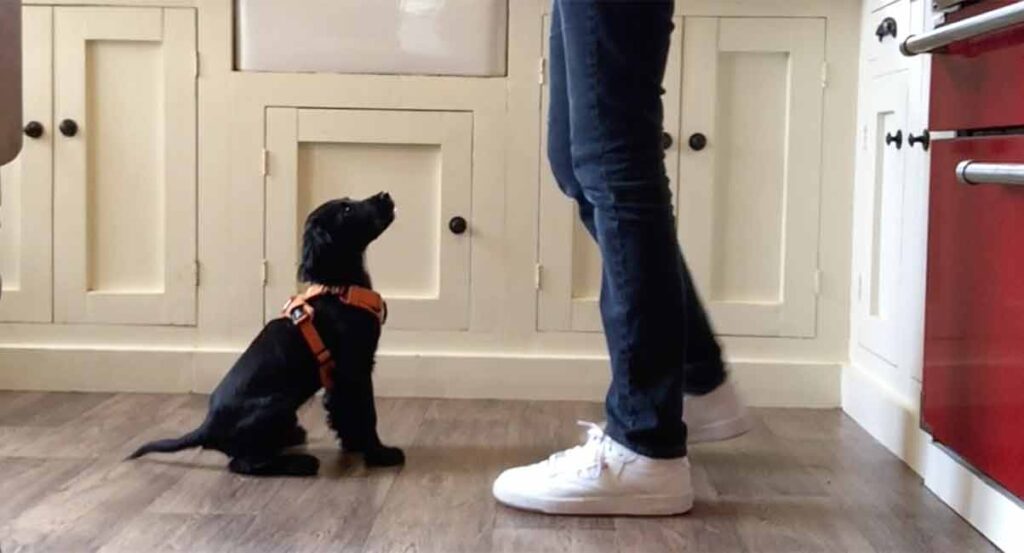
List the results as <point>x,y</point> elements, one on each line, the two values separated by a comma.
<point>995,20</point>
<point>973,173</point>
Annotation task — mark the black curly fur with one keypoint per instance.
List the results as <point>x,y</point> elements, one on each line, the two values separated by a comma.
<point>252,416</point>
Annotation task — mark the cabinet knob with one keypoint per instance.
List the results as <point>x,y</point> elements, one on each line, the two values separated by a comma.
<point>458,225</point>
<point>34,129</point>
<point>896,139</point>
<point>698,141</point>
<point>887,27</point>
<point>68,128</point>
<point>666,141</point>
<point>924,139</point>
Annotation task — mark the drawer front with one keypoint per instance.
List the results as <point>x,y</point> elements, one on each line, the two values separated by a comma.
<point>883,48</point>
<point>973,392</point>
<point>977,84</point>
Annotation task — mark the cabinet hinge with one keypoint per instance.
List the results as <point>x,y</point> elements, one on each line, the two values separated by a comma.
<point>265,162</point>
<point>542,71</point>
<point>824,74</point>
<point>538,271</point>
<point>263,272</point>
<point>195,272</point>
<point>817,282</point>
<point>196,63</point>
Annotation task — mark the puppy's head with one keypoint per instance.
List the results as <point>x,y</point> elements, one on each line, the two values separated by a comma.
<point>337,234</point>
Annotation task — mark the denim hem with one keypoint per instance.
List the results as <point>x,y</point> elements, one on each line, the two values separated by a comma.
<point>703,387</point>
<point>615,433</point>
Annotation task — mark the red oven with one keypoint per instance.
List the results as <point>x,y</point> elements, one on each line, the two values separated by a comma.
<point>973,384</point>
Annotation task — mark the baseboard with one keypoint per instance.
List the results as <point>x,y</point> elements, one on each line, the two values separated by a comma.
<point>497,376</point>
<point>569,378</point>
<point>893,420</point>
<point>96,370</point>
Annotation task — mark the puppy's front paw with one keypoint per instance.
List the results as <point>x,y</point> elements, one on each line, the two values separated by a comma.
<point>384,456</point>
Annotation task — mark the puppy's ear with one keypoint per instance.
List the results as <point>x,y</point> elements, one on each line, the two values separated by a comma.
<point>316,244</point>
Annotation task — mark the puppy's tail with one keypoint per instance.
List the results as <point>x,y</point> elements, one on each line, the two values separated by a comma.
<point>194,438</point>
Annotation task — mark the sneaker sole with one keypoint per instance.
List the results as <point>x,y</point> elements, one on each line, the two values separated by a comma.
<point>649,505</point>
<point>720,430</point>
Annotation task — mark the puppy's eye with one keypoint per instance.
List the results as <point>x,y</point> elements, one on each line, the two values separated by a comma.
<point>346,208</point>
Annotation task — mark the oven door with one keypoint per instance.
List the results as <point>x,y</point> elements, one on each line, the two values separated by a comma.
<point>973,390</point>
<point>977,82</point>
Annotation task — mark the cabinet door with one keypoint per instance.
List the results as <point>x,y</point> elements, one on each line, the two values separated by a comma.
<point>125,183</point>
<point>423,159</point>
<point>26,186</point>
<point>748,208</point>
<point>570,263</point>
<point>879,228</point>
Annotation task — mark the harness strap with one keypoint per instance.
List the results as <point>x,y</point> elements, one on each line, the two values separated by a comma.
<point>300,313</point>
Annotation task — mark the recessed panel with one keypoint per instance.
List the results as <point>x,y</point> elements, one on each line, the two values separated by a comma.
<point>124,128</point>
<point>886,220</point>
<point>750,176</point>
<point>404,261</point>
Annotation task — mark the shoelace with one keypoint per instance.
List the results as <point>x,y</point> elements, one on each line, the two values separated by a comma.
<point>591,454</point>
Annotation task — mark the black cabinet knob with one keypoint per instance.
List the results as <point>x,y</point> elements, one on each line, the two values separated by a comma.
<point>666,141</point>
<point>698,142</point>
<point>458,225</point>
<point>887,27</point>
<point>896,139</point>
<point>68,128</point>
<point>34,129</point>
<point>924,139</point>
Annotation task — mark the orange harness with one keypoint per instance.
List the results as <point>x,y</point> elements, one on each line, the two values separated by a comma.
<point>300,313</point>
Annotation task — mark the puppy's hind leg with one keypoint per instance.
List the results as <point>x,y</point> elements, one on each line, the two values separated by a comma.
<point>289,464</point>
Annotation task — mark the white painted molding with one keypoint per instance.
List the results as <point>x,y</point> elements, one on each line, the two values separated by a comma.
<point>492,376</point>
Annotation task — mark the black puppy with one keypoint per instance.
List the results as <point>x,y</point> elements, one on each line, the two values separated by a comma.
<point>252,416</point>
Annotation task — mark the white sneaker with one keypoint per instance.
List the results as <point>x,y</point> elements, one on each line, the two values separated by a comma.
<point>599,477</point>
<point>716,416</point>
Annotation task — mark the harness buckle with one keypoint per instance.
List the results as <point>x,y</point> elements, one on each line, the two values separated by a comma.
<point>298,314</point>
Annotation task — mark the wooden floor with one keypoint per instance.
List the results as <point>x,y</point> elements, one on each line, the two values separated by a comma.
<point>802,481</point>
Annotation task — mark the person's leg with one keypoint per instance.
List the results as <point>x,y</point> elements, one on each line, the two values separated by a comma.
<point>559,133</point>
<point>638,466</point>
<point>703,367</point>
<point>615,60</point>
<point>704,370</point>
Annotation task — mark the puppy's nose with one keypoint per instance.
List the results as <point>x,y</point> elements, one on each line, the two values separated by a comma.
<point>384,196</point>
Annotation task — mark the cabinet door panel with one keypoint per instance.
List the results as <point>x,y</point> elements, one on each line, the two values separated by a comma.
<point>125,184</point>
<point>748,209</point>
<point>423,159</point>
<point>26,186</point>
<point>569,258</point>
<point>880,217</point>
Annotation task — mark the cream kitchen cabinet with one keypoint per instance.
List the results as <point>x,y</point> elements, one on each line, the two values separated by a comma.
<point>747,168</point>
<point>120,139</point>
<point>749,200</point>
<point>26,186</point>
<point>422,158</point>
<point>880,216</point>
<point>890,201</point>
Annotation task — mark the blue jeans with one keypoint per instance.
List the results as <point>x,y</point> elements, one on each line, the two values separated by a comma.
<point>607,63</point>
